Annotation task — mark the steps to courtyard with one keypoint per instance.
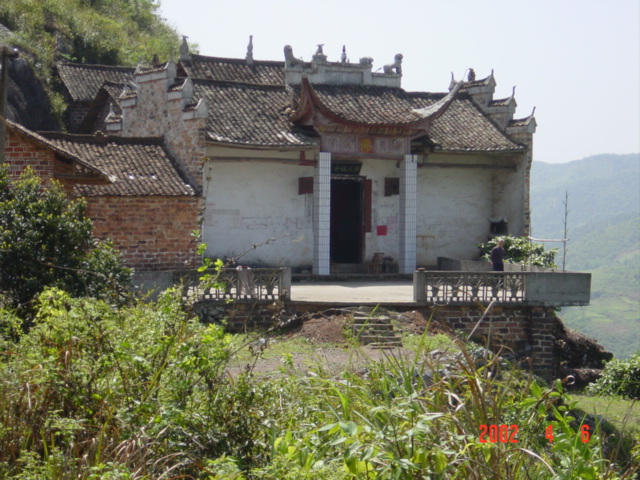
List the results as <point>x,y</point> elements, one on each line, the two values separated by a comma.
<point>375,331</point>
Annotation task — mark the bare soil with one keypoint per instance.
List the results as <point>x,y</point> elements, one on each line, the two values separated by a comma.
<point>327,347</point>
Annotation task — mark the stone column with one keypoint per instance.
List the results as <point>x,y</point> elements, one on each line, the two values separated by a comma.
<point>322,215</point>
<point>408,193</point>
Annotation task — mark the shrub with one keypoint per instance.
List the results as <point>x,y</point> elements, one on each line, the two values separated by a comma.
<point>619,377</point>
<point>46,241</point>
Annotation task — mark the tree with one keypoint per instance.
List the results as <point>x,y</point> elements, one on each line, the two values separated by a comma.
<point>521,250</point>
<point>46,240</point>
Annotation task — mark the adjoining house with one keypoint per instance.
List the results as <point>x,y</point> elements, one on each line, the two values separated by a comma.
<point>323,164</point>
<point>136,194</point>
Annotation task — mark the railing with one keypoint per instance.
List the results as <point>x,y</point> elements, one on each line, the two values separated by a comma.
<point>530,288</point>
<point>454,287</point>
<point>264,284</point>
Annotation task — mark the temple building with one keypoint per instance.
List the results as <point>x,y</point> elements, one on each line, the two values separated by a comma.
<point>318,165</point>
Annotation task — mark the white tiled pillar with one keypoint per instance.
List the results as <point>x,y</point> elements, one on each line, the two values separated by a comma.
<point>322,215</point>
<point>408,193</point>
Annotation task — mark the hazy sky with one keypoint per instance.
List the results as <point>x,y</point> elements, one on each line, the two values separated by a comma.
<point>576,61</point>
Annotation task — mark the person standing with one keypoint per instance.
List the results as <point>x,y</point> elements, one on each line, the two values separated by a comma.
<point>497,256</point>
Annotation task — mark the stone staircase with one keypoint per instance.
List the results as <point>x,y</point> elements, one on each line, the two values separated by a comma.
<point>375,331</point>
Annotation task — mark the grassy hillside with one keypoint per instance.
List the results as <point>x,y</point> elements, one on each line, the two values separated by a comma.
<point>604,233</point>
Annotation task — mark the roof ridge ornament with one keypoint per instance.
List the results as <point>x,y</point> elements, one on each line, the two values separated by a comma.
<point>343,57</point>
<point>319,56</point>
<point>185,56</point>
<point>471,77</point>
<point>289,59</point>
<point>249,56</point>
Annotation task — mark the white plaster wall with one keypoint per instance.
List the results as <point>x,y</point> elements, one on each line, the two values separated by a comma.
<point>509,198</point>
<point>454,205</point>
<point>248,203</point>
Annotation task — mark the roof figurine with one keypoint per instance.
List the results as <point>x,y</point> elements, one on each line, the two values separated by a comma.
<point>395,66</point>
<point>319,56</point>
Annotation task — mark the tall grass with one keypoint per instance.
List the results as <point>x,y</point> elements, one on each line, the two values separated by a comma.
<point>143,393</point>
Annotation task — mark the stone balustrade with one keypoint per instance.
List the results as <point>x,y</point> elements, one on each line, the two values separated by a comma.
<point>546,288</point>
<point>253,284</point>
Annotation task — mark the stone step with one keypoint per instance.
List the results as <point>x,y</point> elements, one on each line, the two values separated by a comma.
<point>368,339</point>
<point>385,345</point>
<point>359,320</point>
<point>372,327</point>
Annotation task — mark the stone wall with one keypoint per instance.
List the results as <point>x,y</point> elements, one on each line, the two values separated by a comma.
<point>153,233</point>
<point>158,110</point>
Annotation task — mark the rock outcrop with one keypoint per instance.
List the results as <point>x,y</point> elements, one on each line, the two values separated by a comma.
<point>27,100</point>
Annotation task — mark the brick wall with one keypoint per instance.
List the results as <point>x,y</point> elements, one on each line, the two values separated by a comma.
<point>153,233</point>
<point>20,154</point>
<point>75,115</point>
<point>526,332</point>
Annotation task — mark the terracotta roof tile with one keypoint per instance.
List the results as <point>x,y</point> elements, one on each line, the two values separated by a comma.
<point>248,114</point>
<point>136,166</point>
<point>236,70</point>
<point>83,81</point>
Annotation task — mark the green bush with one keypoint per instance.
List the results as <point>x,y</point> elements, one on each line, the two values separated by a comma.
<point>46,241</point>
<point>520,250</point>
<point>619,377</point>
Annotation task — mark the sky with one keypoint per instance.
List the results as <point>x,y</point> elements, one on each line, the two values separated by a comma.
<point>577,62</point>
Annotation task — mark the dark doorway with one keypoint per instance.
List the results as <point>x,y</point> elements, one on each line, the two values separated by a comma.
<point>346,220</point>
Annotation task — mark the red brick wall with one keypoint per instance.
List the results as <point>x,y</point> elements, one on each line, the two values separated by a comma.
<point>153,233</point>
<point>20,154</point>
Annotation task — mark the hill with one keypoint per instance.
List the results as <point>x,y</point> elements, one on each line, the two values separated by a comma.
<point>603,228</point>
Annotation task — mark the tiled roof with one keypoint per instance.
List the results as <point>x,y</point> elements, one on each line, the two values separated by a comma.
<point>136,166</point>
<point>235,70</point>
<point>369,105</point>
<point>109,93</point>
<point>464,128</point>
<point>84,81</point>
<point>58,149</point>
<point>247,114</point>
<point>461,127</point>
<point>501,102</point>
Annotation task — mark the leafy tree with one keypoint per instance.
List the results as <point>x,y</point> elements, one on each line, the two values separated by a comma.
<point>46,240</point>
<point>521,250</point>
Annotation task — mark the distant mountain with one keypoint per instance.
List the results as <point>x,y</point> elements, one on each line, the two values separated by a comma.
<point>604,232</point>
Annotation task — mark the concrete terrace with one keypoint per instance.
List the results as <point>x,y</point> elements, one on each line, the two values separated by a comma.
<point>361,292</point>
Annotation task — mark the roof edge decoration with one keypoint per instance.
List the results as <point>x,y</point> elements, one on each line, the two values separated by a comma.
<point>434,111</point>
